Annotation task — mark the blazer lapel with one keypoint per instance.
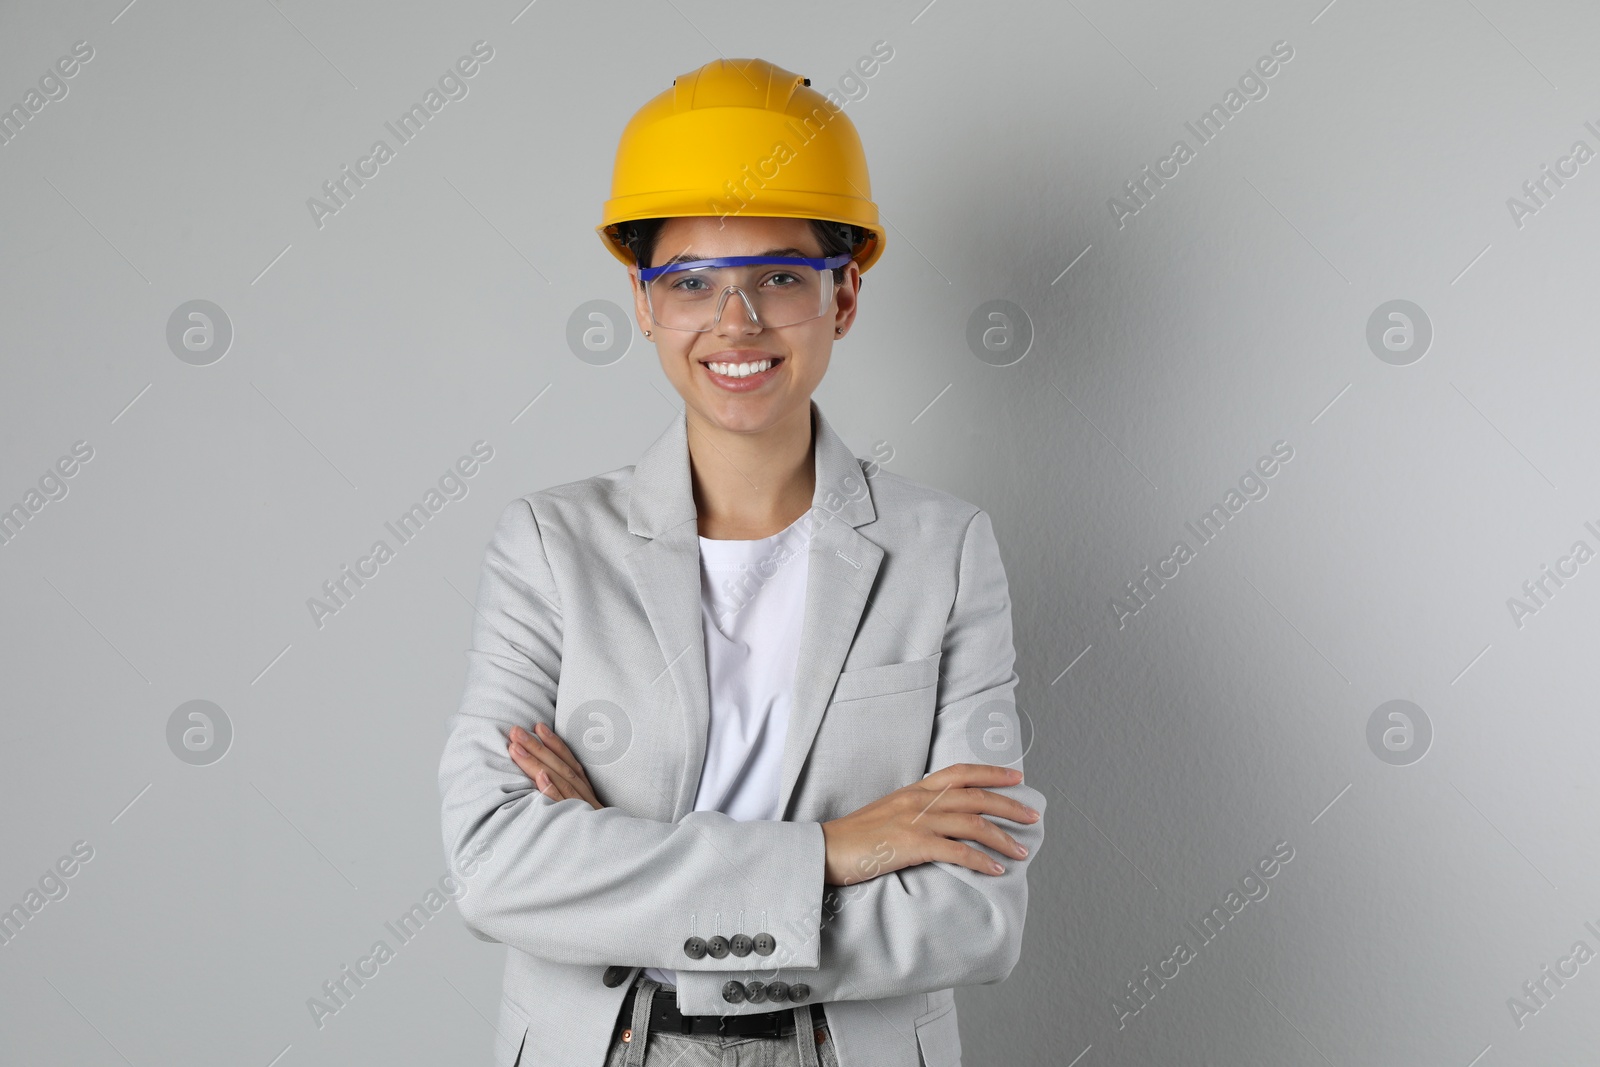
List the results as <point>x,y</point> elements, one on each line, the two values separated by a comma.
<point>666,572</point>
<point>842,566</point>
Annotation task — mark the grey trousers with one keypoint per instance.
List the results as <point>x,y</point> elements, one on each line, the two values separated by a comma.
<point>807,1046</point>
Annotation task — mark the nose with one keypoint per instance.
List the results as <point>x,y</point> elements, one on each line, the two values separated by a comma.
<point>730,321</point>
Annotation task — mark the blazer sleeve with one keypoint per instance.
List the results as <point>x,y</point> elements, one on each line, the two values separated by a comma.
<point>934,925</point>
<point>574,884</point>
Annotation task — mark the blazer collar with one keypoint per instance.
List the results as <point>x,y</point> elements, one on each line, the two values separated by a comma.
<point>843,567</point>
<point>660,494</point>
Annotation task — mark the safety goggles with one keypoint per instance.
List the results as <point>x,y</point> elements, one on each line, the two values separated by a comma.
<point>776,290</point>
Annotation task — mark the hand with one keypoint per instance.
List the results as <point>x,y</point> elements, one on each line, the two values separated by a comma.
<point>922,822</point>
<point>550,763</point>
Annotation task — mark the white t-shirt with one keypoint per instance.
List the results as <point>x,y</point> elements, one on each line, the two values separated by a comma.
<point>752,604</point>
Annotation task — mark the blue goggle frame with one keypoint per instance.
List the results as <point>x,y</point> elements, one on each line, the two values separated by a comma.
<point>830,263</point>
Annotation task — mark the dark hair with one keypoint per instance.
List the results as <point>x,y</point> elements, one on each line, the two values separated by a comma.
<point>836,238</point>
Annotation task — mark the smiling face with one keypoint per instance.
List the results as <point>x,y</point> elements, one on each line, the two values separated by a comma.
<point>799,353</point>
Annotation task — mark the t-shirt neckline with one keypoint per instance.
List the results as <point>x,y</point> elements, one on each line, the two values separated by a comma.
<point>742,548</point>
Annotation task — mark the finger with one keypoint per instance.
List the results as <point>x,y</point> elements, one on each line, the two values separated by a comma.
<point>971,774</point>
<point>954,852</point>
<point>951,798</point>
<point>987,802</point>
<point>547,758</point>
<point>973,827</point>
<point>531,741</point>
<point>537,771</point>
<point>553,741</point>
<point>557,788</point>
<point>539,759</point>
<point>561,762</point>
<point>526,764</point>
<point>585,792</point>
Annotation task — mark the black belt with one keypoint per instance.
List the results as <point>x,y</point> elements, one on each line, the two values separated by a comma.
<point>665,1016</point>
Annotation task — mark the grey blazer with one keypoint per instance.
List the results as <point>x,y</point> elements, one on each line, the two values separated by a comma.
<point>588,619</point>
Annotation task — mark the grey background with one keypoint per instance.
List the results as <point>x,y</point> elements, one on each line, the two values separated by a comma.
<point>1229,714</point>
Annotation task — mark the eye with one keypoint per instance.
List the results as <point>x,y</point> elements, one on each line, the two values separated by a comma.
<point>689,283</point>
<point>783,279</point>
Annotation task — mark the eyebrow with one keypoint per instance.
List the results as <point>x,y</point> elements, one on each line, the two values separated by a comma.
<point>690,256</point>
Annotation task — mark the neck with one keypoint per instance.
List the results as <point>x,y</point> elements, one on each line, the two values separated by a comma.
<point>751,485</point>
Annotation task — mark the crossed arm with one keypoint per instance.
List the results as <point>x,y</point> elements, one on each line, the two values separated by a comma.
<point>570,880</point>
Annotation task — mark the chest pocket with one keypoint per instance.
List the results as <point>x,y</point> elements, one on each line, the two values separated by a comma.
<point>875,733</point>
<point>887,679</point>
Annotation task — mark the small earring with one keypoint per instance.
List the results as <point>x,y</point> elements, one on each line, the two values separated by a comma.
<point>838,329</point>
<point>647,333</point>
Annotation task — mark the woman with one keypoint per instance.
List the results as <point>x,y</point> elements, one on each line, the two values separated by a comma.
<point>705,688</point>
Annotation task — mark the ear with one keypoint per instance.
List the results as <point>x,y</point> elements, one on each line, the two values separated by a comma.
<point>847,297</point>
<point>641,307</point>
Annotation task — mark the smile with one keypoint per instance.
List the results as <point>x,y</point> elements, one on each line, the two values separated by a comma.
<point>742,370</point>
<point>742,375</point>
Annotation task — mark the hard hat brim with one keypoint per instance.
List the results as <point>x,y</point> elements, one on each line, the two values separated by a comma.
<point>667,205</point>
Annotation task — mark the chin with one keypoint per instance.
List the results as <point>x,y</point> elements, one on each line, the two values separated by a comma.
<point>747,414</point>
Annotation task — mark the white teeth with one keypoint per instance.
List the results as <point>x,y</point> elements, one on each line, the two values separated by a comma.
<point>740,370</point>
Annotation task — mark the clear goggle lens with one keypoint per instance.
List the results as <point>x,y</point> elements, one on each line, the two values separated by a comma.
<point>775,291</point>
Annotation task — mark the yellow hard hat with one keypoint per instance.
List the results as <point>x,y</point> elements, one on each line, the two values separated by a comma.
<point>741,137</point>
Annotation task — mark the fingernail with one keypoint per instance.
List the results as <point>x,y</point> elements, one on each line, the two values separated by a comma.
<point>1022,850</point>
<point>996,868</point>
<point>1032,813</point>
